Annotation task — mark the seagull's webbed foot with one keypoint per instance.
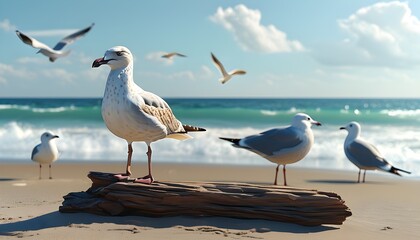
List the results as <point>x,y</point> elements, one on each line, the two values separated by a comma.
<point>146,179</point>
<point>122,177</point>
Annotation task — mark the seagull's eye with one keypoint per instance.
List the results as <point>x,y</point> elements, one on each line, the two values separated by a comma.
<point>351,125</point>
<point>120,53</point>
<point>309,119</point>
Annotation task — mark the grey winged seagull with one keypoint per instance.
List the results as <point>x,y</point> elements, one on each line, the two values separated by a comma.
<point>46,152</point>
<point>363,154</point>
<point>134,114</point>
<point>281,145</point>
<point>56,52</point>
<point>173,54</point>
<point>226,76</point>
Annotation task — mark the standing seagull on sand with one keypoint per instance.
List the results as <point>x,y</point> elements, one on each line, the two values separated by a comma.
<point>281,145</point>
<point>363,154</point>
<point>56,52</point>
<point>225,75</point>
<point>46,152</point>
<point>134,114</point>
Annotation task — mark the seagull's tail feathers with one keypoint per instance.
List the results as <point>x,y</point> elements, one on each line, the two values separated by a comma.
<point>179,136</point>
<point>189,128</point>
<point>235,141</point>
<point>396,171</point>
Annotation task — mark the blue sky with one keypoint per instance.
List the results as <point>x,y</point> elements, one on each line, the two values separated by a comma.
<point>299,49</point>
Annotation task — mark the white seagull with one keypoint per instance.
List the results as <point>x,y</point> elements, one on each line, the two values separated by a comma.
<point>226,76</point>
<point>281,145</point>
<point>134,114</point>
<point>56,52</point>
<point>172,54</point>
<point>46,152</point>
<point>363,154</point>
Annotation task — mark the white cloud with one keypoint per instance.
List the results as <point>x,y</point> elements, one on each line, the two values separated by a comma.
<point>7,26</point>
<point>10,72</point>
<point>245,25</point>
<point>383,34</point>
<point>60,74</point>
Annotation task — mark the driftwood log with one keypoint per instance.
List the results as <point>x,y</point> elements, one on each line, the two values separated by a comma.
<point>108,196</point>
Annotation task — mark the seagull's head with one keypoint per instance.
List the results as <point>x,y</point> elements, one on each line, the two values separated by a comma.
<point>47,136</point>
<point>353,128</point>
<point>115,57</point>
<point>302,119</point>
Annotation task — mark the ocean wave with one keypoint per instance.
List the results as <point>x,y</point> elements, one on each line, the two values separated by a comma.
<point>399,145</point>
<point>402,113</point>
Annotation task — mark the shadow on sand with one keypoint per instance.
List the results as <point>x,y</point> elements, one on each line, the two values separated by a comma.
<point>57,219</point>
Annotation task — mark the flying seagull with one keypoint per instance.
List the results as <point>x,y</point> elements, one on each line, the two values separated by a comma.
<point>134,114</point>
<point>172,54</point>
<point>281,145</point>
<point>55,52</point>
<point>363,154</point>
<point>225,75</point>
<point>46,152</point>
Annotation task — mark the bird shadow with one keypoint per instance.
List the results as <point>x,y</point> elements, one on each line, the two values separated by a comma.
<point>339,181</point>
<point>58,219</point>
<point>333,181</point>
<point>8,179</point>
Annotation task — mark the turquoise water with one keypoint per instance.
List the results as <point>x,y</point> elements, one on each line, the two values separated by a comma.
<point>392,124</point>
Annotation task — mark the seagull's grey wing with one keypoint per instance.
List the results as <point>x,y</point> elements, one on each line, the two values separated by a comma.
<point>273,140</point>
<point>365,154</point>
<point>35,151</point>
<point>32,41</point>
<point>72,37</point>
<point>218,64</point>
<point>180,55</point>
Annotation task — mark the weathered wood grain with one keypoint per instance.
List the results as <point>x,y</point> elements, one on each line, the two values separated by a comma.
<point>108,196</point>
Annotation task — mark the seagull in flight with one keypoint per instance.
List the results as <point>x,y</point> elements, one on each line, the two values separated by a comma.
<point>46,152</point>
<point>281,145</point>
<point>226,76</point>
<point>363,154</point>
<point>134,114</point>
<point>172,54</point>
<point>56,52</point>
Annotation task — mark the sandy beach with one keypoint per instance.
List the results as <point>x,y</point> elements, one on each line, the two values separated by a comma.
<point>385,207</point>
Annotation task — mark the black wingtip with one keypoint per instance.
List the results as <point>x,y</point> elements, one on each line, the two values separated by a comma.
<point>396,171</point>
<point>189,128</point>
<point>232,140</point>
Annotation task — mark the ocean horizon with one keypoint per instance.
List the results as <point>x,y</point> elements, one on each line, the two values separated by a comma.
<point>393,125</point>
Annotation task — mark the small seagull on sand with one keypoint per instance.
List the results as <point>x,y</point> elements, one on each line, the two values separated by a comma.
<point>56,52</point>
<point>134,114</point>
<point>46,151</point>
<point>172,54</point>
<point>363,154</point>
<point>281,145</point>
<point>226,76</point>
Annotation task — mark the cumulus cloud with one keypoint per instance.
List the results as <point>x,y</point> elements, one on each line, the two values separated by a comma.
<point>7,26</point>
<point>383,34</point>
<point>10,72</point>
<point>251,35</point>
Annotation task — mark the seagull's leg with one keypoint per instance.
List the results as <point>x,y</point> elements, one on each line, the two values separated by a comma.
<point>284,175</point>
<point>130,153</point>
<point>40,166</point>
<point>50,171</point>
<point>277,171</point>
<point>125,176</point>
<point>364,175</point>
<point>358,178</point>
<point>148,179</point>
